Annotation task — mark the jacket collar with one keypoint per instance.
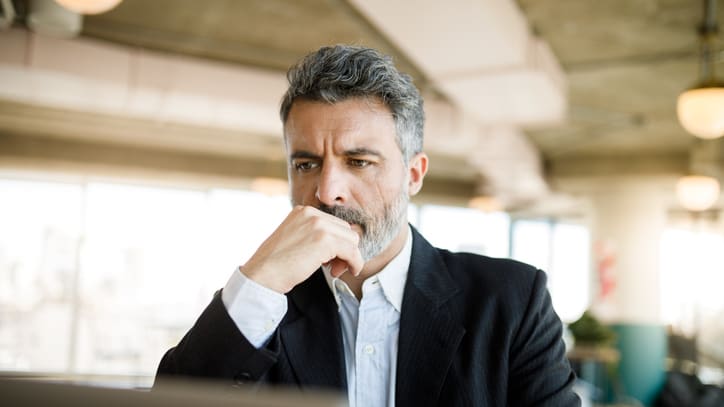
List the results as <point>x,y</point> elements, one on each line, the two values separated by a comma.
<point>430,331</point>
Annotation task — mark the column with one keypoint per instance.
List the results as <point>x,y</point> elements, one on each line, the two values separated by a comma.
<point>628,217</point>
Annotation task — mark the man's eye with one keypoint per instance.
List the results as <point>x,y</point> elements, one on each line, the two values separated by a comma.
<point>305,166</point>
<point>359,163</point>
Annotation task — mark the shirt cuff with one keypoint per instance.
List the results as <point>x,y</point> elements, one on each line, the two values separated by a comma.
<point>255,309</point>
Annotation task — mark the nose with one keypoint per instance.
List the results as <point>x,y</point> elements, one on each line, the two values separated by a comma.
<point>331,186</point>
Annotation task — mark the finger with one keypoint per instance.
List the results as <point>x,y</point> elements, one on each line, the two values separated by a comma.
<point>337,267</point>
<point>338,236</point>
<point>355,267</point>
<point>344,255</point>
<point>339,239</point>
<point>312,212</point>
<point>351,256</point>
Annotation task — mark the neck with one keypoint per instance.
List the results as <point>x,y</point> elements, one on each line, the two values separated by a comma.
<point>377,263</point>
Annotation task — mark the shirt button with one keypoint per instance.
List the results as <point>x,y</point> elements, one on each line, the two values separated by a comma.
<point>369,349</point>
<point>268,325</point>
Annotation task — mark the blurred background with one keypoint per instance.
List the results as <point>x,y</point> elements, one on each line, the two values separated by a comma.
<point>141,162</point>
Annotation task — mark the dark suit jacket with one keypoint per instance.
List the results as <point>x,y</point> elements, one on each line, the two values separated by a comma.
<point>474,331</point>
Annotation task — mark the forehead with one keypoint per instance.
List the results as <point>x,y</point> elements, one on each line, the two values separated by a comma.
<point>356,120</point>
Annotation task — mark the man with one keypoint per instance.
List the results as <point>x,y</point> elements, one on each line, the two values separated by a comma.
<point>346,295</point>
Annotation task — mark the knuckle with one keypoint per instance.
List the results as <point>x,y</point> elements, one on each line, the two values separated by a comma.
<point>316,224</point>
<point>307,210</point>
<point>317,235</point>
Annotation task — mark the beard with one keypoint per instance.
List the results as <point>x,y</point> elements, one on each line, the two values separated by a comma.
<point>377,231</point>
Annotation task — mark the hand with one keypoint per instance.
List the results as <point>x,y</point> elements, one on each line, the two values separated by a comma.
<point>306,239</point>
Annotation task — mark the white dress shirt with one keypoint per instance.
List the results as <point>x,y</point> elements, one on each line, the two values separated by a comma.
<point>370,327</point>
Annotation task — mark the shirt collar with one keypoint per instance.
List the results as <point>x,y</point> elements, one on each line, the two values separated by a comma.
<point>392,277</point>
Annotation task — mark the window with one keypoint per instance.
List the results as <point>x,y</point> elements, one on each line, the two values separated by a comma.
<point>463,229</point>
<point>39,241</point>
<point>99,277</point>
<point>562,251</point>
<point>102,277</point>
<point>692,279</point>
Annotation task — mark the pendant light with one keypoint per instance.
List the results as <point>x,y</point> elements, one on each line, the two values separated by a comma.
<point>697,192</point>
<point>701,108</point>
<point>88,6</point>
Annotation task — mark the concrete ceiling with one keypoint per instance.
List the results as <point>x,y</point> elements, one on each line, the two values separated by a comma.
<point>269,34</point>
<point>624,61</point>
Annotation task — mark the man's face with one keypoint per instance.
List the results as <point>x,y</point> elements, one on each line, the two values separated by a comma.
<point>344,160</point>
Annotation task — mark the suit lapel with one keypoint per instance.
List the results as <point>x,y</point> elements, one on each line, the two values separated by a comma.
<point>429,331</point>
<point>311,335</point>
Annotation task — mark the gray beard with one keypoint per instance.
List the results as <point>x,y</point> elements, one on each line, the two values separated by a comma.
<point>377,233</point>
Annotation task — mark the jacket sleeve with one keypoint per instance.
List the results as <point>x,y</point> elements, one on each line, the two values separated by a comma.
<point>214,348</point>
<point>540,374</point>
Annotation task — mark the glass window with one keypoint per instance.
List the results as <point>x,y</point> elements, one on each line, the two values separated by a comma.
<point>562,251</point>
<point>142,257</point>
<point>532,243</point>
<point>569,275</point>
<point>464,229</point>
<point>692,277</point>
<point>39,241</point>
<point>104,277</point>
<point>692,264</point>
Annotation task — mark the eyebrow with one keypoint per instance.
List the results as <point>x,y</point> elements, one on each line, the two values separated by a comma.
<point>362,151</point>
<point>303,154</point>
<point>355,152</point>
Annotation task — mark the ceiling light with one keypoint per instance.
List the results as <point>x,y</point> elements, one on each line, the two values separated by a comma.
<point>88,6</point>
<point>701,109</point>
<point>697,192</point>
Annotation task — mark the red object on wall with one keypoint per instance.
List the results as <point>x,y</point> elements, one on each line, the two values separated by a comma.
<point>605,267</point>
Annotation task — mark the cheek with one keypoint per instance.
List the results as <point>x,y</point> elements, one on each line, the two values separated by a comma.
<point>299,193</point>
<point>393,183</point>
<point>388,188</point>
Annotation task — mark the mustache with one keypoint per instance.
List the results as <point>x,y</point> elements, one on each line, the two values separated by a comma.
<point>349,215</point>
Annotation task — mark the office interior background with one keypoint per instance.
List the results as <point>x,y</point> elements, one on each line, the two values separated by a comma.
<point>141,161</point>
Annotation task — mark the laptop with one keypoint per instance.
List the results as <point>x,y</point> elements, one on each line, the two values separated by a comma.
<point>21,393</point>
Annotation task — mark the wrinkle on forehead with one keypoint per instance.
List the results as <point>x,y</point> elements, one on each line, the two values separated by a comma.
<point>345,125</point>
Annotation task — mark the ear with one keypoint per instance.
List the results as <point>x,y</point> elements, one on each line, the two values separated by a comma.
<point>417,168</point>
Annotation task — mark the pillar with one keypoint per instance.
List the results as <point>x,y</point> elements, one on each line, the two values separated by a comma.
<point>627,220</point>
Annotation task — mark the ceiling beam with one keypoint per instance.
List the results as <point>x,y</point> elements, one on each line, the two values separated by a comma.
<point>621,165</point>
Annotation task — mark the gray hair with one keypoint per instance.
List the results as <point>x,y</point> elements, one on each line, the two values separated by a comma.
<point>334,74</point>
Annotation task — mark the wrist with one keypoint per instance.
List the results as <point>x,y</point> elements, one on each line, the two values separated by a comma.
<point>262,279</point>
